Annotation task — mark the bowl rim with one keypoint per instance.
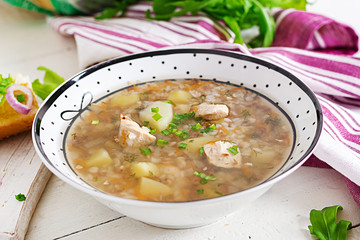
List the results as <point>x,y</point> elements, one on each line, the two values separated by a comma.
<point>98,193</point>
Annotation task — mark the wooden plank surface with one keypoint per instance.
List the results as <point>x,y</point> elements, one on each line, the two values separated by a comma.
<point>26,43</point>
<point>21,172</point>
<point>282,213</point>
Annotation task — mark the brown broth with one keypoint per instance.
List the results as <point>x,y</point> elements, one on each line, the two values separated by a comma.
<point>262,134</point>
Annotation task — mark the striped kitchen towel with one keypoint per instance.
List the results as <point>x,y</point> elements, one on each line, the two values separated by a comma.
<point>315,48</point>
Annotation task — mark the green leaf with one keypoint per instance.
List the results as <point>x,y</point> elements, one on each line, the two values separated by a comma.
<point>20,197</point>
<point>4,83</point>
<point>234,26</point>
<point>50,82</point>
<point>324,224</point>
<point>266,24</point>
<point>297,4</point>
<point>163,7</point>
<point>20,98</point>
<point>146,151</point>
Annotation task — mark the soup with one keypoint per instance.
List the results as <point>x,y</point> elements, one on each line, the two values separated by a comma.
<point>179,140</point>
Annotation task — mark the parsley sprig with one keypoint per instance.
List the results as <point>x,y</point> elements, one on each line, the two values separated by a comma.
<point>20,197</point>
<point>204,178</point>
<point>324,226</point>
<point>233,149</point>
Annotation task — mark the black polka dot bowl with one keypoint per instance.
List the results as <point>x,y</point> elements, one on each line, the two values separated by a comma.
<point>278,86</point>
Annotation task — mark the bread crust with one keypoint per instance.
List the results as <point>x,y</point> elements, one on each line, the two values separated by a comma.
<point>12,122</point>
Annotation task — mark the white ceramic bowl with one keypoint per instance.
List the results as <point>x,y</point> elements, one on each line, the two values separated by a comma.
<point>281,88</point>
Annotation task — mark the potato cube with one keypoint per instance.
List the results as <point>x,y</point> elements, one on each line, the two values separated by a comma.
<point>165,112</point>
<point>194,144</point>
<point>260,157</point>
<point>99,158</point>
<point>125,101</point>
<point>144,169</point>
<point>179,97</point>
<point>151,188</point>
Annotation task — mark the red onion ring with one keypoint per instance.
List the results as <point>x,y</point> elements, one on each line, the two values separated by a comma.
<point>14,103</point>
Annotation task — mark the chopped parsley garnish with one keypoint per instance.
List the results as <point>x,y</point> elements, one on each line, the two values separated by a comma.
<point>201,151</point>
<point>183,116</point>
<point>203,181</point>
<point>198,119</point>
<point>95,122</point>
<point>155,109</point>
<point>167,101</point>
<point>211,128</point>
<point>146,151</point>
<point>20,98</point>
<point>4,83</point>
<point>20,197</point>
<point>166,132</point>
<point>172,125</point>
<point>184,135</point>
<point>204,178</point>
<point>161,142</point>
<point>196,127</point>
<point>156,116</point>
<point>233,149</point>
<point>200,191</point>
<point>151,131</point>
<point>177,120</point>
<point>182,146</point>
<point>146,122</point>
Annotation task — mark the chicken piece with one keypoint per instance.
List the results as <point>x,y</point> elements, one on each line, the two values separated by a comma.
<point>217,153</point>
<point>211,111</point>
<point>132,135</point>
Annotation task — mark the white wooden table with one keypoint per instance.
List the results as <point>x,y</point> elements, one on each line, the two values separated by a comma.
<point>63,212</point>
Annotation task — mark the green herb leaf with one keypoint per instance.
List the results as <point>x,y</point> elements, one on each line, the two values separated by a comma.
<point>157,117</point>
<point>204,178</point>
<point>4,83</point>
<point>200,191</point>
<point>146,151</point>
<point>182,146</point>
<point>201,151</point>
<point>50,82</point>
<point>20,98</point>
<point>152,131</point>
<point>233,149</point>
<point>166,132</point>
<point>20,197</point>
<point>146,122</point>
<point>178,133</point>
<point>184,135</point>
<point>196,127</point>
<point>155,109</point>
<point>161,142</point>
<point>211,128</point>
<point>324,226</point>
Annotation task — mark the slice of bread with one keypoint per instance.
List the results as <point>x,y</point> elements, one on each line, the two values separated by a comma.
<point>12,122</point>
